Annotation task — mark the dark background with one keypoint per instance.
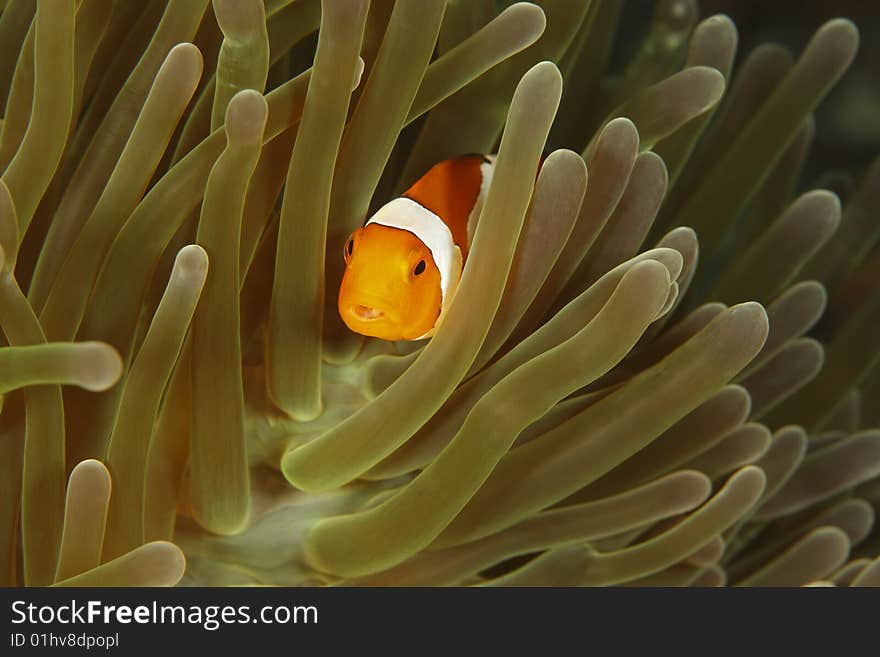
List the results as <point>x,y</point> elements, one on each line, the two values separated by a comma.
<point>848,121</point>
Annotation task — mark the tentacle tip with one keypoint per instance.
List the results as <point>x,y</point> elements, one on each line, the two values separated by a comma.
<point>721,19</point>
<point>192,55</point>
<point>843,40</point>
<point>842,25</point>
<point>100,367</point>
<point>246,117</point>
<point>173,559</point>
<point>192,260</point>
<point>545,72</point>
<point>96,472</point>
<point>358,73</point>
<point>223,524</point>
<point>700,481</point>
<point>239,19</point>
<point>292,470</point>
<point>752,475</point>
<point>685,231</point>
<point>751,317</point>
<point>715,88</point>
<point>90,465</point>
<point>830,205</point>
<point>537,14</point>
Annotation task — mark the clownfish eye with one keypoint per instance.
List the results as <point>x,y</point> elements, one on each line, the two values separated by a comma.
<point>349,248</point>
<point>420,268</point>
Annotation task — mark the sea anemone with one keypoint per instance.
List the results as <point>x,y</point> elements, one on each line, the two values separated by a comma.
<point>179,179</point>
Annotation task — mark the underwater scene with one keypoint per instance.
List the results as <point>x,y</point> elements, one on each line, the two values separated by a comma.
<point>439,293</point>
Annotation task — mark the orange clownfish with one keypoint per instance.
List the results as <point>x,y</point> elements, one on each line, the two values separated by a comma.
<point>403,267</point>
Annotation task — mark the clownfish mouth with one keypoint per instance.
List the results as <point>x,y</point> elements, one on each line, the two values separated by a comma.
<point>367,313</point>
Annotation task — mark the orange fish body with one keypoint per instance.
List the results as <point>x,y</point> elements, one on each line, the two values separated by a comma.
<point>403,267</point>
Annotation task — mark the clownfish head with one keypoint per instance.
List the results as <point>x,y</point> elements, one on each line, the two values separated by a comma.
<point>392,287</point>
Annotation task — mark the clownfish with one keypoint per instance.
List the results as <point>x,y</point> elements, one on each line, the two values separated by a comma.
<point>404,265</point>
